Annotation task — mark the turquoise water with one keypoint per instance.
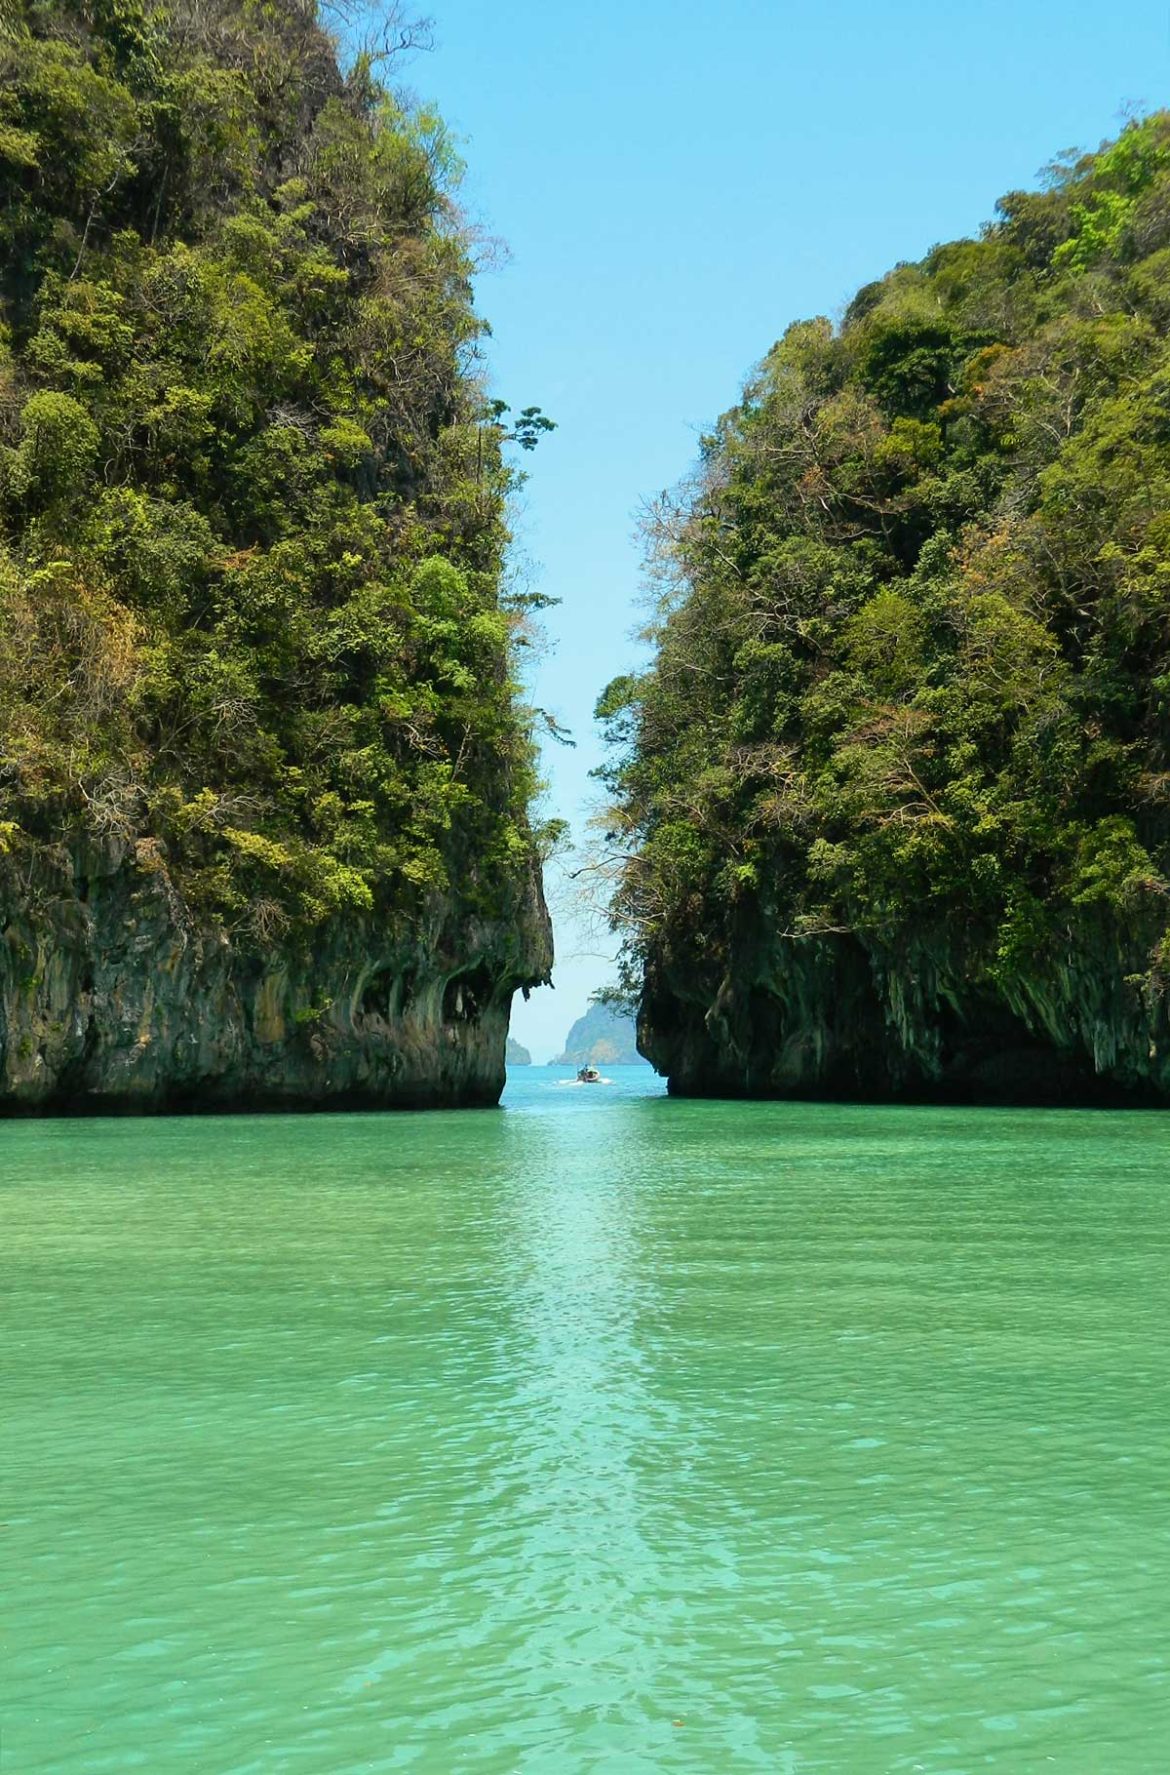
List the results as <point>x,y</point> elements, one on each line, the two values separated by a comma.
<point>603,1433</point>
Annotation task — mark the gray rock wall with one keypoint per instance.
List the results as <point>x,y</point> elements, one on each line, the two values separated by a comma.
<point>113,997</point>
<point>833,1017</point>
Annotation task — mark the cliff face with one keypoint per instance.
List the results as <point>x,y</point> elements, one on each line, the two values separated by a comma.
<point>114,998</point>
<point>829,1018</point>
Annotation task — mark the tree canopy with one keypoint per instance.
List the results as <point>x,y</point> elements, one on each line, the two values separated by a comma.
<point>251,496</point>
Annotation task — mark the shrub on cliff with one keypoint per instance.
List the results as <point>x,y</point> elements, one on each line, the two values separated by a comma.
<point>251,499</point>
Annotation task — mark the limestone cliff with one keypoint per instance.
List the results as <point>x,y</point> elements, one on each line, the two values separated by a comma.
<point>833,1017</point>
<point>266,772</point>
<point>892,799</point>
<point>113,997</point>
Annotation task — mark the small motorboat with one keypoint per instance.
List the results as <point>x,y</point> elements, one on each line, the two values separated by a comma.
<point>588,1075</point>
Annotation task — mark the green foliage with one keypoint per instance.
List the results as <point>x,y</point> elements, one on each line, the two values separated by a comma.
<point>1121,174</point>
<point>913,650</point>
<point>58,448</point>
<point>252,512</point>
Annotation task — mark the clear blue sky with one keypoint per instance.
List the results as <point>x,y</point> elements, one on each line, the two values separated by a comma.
<point>676,182</point>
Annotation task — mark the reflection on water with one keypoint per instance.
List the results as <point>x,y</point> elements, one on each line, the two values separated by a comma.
<point>602,1434</point>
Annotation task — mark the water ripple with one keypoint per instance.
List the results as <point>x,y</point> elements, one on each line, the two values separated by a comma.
<point>604,1434</point>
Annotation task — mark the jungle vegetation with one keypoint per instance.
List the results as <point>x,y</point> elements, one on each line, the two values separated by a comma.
<point>912,618</point>
<point>252,497</point>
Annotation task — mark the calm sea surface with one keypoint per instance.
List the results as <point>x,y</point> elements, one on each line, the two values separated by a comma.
<point>603,1433</point>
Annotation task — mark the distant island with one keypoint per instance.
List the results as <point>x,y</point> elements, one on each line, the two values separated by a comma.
<point>517,1054</point>
<point>602,1037</point>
